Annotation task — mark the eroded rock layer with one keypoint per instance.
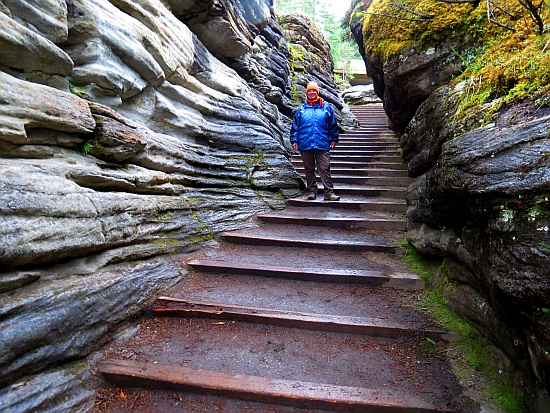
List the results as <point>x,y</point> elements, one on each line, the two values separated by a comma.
<point>131,132</point>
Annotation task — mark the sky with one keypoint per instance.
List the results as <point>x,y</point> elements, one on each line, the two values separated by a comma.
<point>337,7</point>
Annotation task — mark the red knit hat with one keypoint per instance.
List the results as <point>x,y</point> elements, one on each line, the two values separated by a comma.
<point>312,86</point>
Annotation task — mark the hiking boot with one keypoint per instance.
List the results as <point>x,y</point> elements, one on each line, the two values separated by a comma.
<point>311,196</point>
<point>332,197</point>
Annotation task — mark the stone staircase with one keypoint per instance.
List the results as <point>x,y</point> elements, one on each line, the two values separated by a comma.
<point>311,309</point>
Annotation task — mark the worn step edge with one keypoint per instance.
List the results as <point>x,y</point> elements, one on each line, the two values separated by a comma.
<point>340,245</point>
<point>342,223</point>
<point>261,389</point>
<point>350,205</point>
<point>397,194</point>
<point>357,165</point>
<point>403,281</point>
<point>177,307</point>
<point>372,180</point>
<point>361,172</point>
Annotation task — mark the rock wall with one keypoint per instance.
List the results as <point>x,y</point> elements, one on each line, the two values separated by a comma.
<point>481,197</point>
<point>130,135</point>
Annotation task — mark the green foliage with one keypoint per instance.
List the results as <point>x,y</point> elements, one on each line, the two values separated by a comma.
<point>343,50</point>
<point>87,146</point>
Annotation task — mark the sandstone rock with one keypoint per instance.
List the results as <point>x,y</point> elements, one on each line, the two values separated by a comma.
<point>406,79</point>
<point>35,106</point>
<point>158,147</point>
<point>24,49</point>
<point>48,18</point>
<point>218,25</point>
<point>481,197</point>
<point>65,319</point>
<point>485,205</point>
<point>61,391</point>
<point>360,95</point>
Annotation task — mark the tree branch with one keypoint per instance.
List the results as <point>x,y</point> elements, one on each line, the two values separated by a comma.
<point>492,17</point>
<point>423,17</point>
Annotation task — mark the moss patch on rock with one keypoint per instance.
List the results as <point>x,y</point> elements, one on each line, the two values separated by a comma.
<point>505,65</point>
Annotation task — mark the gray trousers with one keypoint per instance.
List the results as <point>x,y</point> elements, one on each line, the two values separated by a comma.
<point>322,159</point>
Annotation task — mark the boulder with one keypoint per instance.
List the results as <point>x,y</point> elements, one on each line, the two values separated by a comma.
<point>360,95</point>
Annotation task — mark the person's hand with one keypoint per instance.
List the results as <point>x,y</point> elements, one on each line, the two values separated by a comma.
<point>332,145</point>
<point>295,146</point>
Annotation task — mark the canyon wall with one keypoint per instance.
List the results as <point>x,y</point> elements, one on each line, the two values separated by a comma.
<point>480,201</point>
<point>131,133</point>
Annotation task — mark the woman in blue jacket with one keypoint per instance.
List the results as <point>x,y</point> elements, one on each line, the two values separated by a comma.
<point>314,133</point>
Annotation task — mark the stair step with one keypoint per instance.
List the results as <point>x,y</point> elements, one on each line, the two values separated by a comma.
<point>372,180</point>
<point>312,237</point>
<point>177,307</point>
<point>366,158</point>
<point>403,281</point>
<point>357,165</point>
<point>263,389</point>
<point>343,150</point>
<point>336,222</point>
<point>358,172</point>
<point>357,205</point>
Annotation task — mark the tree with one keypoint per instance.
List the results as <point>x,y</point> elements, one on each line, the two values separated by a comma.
<point>343,50</point>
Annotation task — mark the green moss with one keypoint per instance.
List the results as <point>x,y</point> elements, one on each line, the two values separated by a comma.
<point>500,64</point>
<point>473,346</point>
<point>390,29</point>
<point>200,238</point>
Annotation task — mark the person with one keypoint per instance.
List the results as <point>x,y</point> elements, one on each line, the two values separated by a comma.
<point>314,133</point>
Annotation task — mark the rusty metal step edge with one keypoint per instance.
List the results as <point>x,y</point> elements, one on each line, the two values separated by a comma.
<point>310,243</point>
<point>342,223</point>
<point>176,307</point>
<point>402,281</point>
<point>261,389</point>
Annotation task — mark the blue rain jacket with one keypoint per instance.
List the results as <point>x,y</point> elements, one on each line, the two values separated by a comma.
<point>314,127</point>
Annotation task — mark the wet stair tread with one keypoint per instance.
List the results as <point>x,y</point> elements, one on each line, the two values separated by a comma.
<point>335,218</point>
<point>171,306</point>
<point>287,392</point>
<point>300,296</point>
<point>319,275</point>
<point>332,213</point>
<point>304,259</point>
<point>349,204</point>
<point>312,237</point>
<point>362,172</point>
<point>362,194</point>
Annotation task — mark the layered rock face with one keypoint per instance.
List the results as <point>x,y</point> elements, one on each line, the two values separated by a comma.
<point>480,201</point>
<point>126,141</point>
